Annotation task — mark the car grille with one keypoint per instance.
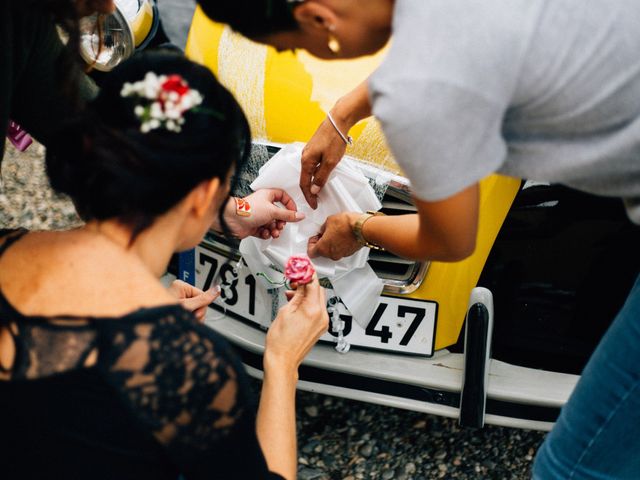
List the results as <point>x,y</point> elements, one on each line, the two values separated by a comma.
<point>399,274</point>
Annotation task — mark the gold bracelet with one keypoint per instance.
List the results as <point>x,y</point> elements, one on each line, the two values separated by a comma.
<point>357,230</point>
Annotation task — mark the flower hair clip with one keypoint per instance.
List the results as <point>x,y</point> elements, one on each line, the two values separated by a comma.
<point>163,101</point>
<point>298,270</point>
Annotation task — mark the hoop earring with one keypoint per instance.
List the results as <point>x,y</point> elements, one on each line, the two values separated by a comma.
<point>333,44</point>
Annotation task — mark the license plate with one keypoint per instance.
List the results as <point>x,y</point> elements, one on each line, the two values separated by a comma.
<point>398,324</point>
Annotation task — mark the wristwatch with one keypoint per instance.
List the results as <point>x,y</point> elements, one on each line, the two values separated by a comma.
<point>357,230</point>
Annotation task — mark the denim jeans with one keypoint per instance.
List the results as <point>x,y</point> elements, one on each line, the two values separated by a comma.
<point>597,435</point>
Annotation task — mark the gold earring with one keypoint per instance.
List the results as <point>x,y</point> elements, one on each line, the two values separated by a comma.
<point>333,44</point>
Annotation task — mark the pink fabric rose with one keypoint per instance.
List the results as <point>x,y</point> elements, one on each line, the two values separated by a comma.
<point>299,269</point>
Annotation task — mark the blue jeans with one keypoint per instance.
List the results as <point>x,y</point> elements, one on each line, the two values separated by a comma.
<point>597,435</point>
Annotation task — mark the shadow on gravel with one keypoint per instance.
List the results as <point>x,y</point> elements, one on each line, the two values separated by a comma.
<point>346,440</point>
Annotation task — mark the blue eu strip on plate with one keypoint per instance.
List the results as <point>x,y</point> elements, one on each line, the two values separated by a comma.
<point>187,266</point>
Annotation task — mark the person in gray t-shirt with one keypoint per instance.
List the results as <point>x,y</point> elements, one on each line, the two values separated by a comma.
<point>543,90</point>
<point>536,89</point>
<point>546,90</point>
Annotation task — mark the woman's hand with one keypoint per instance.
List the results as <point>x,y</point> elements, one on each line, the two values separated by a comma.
<point>326,148</point>
<point>266,219</point>
<point>336,239</point>
<point>292,334</point>
<point>192,298</point>
<point>319,157</point>
<point>297,328</point>
<point>443,230</point>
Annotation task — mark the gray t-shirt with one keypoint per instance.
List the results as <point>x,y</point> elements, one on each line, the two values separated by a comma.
<point>546,90</point>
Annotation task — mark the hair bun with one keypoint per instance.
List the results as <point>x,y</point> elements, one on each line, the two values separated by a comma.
<point>111,169</point>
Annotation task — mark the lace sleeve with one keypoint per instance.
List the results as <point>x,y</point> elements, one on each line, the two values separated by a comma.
<point>183,384</point>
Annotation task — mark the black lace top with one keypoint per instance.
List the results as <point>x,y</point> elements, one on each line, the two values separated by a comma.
<point>151,395</point>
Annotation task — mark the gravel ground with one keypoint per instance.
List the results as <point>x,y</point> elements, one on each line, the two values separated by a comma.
<point>26,200</point>
<point>338,439</point>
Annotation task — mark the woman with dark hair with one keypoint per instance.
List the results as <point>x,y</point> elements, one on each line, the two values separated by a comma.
<point>102,373</point>
<point>42,83</point>
<point>535,89</point>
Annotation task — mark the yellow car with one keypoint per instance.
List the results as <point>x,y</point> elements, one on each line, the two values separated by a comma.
<point>498,338</point>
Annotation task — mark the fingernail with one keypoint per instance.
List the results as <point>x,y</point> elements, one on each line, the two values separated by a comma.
<point>215,289</point>
<point>315,189</point>
<point>300,216</point>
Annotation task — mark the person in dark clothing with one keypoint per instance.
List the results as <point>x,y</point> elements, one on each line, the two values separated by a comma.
<point>41,81</point>
<point>42,84</point>
<point>102,373</point>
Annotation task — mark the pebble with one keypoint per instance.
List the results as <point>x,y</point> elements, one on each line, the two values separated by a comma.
<point>366,450</point>
<point>312,474</point>
<point>309,447</point>
<point>440,455</point>
<point>489,464</point>
<point>420,424</point>
<point>388,474</point>
<point>312,411</point>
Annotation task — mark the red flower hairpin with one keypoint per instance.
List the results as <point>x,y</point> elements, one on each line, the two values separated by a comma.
<point>164,99</point>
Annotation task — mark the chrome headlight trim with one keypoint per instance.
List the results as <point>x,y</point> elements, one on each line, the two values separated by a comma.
<point>399,188</point>
<point>104,52</point>
<point>131,26</point>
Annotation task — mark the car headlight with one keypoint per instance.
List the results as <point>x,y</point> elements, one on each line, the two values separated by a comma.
<point>107,40</point>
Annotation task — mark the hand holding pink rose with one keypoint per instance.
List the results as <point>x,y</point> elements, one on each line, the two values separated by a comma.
<point>299,269</point>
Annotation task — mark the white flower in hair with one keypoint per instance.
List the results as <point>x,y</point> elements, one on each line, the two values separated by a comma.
<point>164,101</point>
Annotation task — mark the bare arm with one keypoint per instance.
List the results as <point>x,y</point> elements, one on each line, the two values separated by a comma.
<point>276,423</point>
<point>326,148</point>
<point>293,333</point>
<point>444,231</point>
<point>354,106</point>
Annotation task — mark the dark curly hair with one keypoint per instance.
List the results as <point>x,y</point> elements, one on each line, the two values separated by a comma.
<point>111,170</point>
<point>252,18</point>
